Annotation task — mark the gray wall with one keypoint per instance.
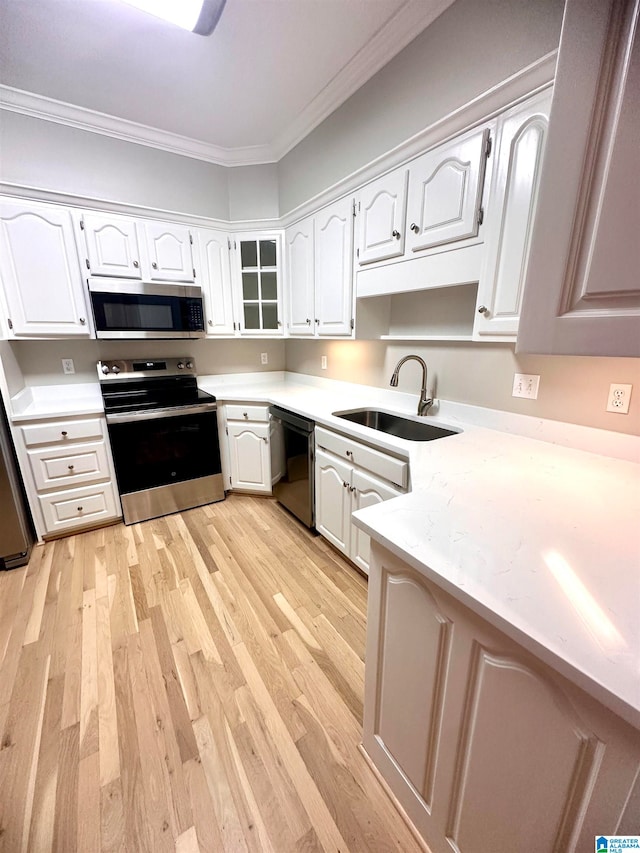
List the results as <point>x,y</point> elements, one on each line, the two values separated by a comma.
<point>572,389</point>
<point>39,361</point>
<point>471,47</point>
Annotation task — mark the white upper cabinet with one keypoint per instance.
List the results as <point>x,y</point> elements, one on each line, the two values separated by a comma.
<point>169,251</point>
<point>112,246</point>
<point>257,270</point>
<point>40,271</point>
<point>319,272</point>
<point>333,268</point>
<point>445,188</point>
<point>300,276</point>
<point>212,248</point>
<point>382,207</point>
<point>520,139</point>
<point>582,292</point>
<point>121,247</point>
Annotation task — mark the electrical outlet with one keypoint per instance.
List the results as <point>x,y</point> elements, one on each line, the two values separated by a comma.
<point>264,358</point>
<point>68,366</point>
<point>323,362</point>
<point>619,396</point>
<point>525,385</point>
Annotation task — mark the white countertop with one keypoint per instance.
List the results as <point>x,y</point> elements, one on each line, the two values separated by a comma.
<point>539,538</point>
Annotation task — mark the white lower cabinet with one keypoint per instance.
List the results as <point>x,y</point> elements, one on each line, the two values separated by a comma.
<point>68,473</point>
<point>484,746</point>
<point>249,454</point>
<point>343,487</point>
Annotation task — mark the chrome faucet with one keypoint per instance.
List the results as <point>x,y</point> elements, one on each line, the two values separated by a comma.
<point>425,403</point>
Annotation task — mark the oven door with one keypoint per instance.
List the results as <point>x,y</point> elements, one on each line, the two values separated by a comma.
<point>166,461</point>
<point>125,310</point>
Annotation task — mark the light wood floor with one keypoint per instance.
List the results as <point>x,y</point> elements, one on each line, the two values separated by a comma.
<point>188,684</point>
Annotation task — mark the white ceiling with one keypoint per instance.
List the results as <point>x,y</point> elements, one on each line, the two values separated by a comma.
<point>271,71</point>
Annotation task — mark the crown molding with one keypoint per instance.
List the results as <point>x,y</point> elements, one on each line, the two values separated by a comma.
<point>410,20</point>
<point>407,23</point>
<point>48,109</point>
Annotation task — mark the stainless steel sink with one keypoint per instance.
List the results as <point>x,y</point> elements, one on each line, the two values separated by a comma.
<point>395,425</point>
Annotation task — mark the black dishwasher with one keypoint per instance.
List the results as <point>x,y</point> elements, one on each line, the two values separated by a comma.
<point>292,463</point>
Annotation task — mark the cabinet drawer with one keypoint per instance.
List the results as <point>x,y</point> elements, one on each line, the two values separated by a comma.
<point>248,412</point>
<point>391,469</point>
<point>58,467</point>
<point>76,507</point>
<point>61,432</point>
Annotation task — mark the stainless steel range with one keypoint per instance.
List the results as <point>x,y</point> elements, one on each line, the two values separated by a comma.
<point>164,436</point>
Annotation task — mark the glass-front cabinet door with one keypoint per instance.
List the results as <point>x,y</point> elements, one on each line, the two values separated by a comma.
<point>259,283</point>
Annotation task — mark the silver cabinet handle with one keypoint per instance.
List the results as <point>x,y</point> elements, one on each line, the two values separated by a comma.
<point>317,322</point>
<point>210,322</point>
<point>136,264</point>
<point>154,265</point>
<point>308,322</point>
<point>395,233</point>
<point>245,415</point>
<point>413,227</point>
<point>352,489</point>
<point>80,508</point>
<point>70,467</point>
<point>64,433</point>
<point>82,321</point>
<point>483,309</point>
<point>345,484</point>
<point>349,452</point>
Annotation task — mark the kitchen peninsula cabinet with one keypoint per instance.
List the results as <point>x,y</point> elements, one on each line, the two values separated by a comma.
<point>319,272</point>
<point>485,747</point>
<point>42,280</point>
<point>582,294</point>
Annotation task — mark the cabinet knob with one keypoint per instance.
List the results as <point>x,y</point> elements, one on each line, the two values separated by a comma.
<point>395,233</point>
<point>80,508</point>
<point>210,322</point>
<point>413,227</point>
<point>317,322</point>
<point>136,264</point>
<point>265,439</point>
<point>245,415</point>
<point>482,309</point>
<point>308,322</point>
<point>349,452</point>
<point>154,265</point>
<point>352,489</point>
<point>64,433</point>
<point>82,321</point>
<point>70,467</point>
<point>346,485</point>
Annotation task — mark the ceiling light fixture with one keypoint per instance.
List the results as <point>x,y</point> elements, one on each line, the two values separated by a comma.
<point>199,16</point>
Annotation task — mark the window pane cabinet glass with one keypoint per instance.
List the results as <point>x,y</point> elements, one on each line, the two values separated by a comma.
<point>259,275</point>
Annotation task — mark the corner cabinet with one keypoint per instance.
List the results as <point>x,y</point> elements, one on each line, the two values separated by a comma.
<point>319,272</point>
<point>40,270</point>
<point>257,275</point>
<point>465,726</point>
<point>583,285</point>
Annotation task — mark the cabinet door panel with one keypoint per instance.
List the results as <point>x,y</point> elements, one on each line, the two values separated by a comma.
<point>521,135</point>
<point>299,247</point>
<point>445,188</point>
<point>250,457</point>
<point>582,294</point>
<point>112,246</point>
<point>381,214</point>
<point>40,271</point>
<point>169,248</point>
<point>333,500</point>
<point>333,266</point>
<point>215,269</point>
<point>369,491</point>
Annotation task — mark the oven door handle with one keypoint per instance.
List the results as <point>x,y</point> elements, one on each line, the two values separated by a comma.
<point>156,414</point>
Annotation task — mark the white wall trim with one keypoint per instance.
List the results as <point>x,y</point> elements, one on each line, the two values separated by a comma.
<point>535,77</point>
<point>528,81</point>
<point>48,109</point>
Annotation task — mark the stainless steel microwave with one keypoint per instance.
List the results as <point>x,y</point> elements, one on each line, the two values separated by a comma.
<point>139,309</point>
